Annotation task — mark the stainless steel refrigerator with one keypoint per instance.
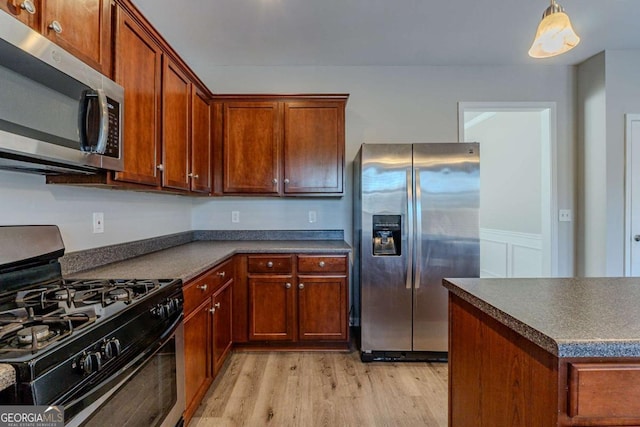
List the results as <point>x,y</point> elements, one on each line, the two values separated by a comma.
<point>415,222</point>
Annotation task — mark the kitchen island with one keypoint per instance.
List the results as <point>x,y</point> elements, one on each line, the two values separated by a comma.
<point>544,352</point>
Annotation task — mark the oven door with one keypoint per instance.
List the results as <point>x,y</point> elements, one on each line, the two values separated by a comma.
<point>150,390</point>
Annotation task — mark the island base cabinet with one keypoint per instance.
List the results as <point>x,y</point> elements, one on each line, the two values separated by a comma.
<point>497,377</point>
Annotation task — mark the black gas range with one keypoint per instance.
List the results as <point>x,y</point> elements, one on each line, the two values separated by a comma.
<point>84,345</point>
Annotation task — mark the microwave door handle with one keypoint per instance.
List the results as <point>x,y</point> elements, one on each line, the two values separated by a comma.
<point>101,146</point>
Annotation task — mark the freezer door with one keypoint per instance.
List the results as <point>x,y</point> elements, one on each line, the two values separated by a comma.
<point>447,188</point>
<point>385,278</point>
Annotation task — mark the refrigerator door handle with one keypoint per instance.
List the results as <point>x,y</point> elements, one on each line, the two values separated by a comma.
<point>418,234</point>
<point>409,225</point>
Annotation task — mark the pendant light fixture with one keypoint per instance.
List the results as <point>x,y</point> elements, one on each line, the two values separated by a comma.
<point>555,34</point>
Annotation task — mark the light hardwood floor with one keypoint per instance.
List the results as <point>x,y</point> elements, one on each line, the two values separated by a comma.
<point>324,389</point>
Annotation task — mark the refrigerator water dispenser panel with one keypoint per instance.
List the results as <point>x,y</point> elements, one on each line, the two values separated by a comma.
<point>387,235</point>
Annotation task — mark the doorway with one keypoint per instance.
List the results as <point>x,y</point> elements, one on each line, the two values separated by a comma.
<point>518,224</point>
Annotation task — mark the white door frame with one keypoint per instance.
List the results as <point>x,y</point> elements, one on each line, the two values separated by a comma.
<point>549,208</point>
<point>629,118</point>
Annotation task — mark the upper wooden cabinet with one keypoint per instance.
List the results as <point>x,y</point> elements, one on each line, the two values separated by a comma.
<point>26,11</point>
<point>176,124</point>
<point>139,71</point>
<point>313,147</point>
<point>281,145</point>
<point>251,147</point>
<point>82,27</point>
<point>167,117</point>
<point>201,155</point>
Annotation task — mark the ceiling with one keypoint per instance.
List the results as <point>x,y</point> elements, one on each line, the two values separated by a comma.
<point>382,32</point>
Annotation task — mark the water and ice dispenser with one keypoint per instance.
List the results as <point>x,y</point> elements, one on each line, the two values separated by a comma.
<point>387,235</point>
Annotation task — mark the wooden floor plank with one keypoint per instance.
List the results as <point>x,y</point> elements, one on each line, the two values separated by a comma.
<point>324,389</point>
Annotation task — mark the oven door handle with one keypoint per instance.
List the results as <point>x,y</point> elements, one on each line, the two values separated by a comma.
<point>115,381</point>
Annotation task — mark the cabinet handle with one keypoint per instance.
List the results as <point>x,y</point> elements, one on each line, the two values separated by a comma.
<point>216,305</point>
<point>286,180</point>
<point>221,273</point>
<point>275,180</point>
<point>269,264</point>
<point>202,287</point>
<point>321,264</point>
<point>160,167</point>
<point>28,6</point>
<point>191,175</point>
<point>287,285</point>
<point>301,286</point>
<point>55,26</point>
<point>212,310</point>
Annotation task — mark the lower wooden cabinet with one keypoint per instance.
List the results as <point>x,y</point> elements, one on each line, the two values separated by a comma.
<point>207,331</point>
<point>297,299</point>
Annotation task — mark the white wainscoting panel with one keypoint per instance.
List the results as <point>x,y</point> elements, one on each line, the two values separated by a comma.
<point>510,254</point>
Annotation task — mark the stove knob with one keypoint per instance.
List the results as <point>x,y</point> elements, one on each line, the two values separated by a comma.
<point>161,311</point>
<point>111,348</point>
<point>91,362</point>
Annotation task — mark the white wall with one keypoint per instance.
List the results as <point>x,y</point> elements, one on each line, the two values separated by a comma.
<point>510,177</point>
<point>387,104</point>
<point>25,199</point>
<point>607,89</point>
<point>395,104</point>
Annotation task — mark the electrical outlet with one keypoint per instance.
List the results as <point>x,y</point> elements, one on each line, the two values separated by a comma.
<point>565,215</point>
<point>98,222</point>
<point>312,216</point>
<point>235,216</point>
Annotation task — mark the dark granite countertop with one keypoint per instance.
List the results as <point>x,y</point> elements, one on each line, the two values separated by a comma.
<point>571,317</point>
<point>191,259</point>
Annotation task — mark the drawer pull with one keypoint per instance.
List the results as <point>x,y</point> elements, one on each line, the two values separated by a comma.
<point>221,273</point>
<point>321,264</point>
<point>216,305</point>
<point>301,286</point>
<point>202,287</point>
<point>212,310</point>
<point>269,264</point>
<point>287,285</point>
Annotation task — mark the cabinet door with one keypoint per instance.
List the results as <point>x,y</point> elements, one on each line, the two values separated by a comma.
<point>200,144</point>
<point>322,308</point>
<point>251,147</point>
<point>222,327</point>
<point>138,69</point>
<point>19,9</point>
<point>83,27</point>
<point>197,355</point>
<point>313,147</point>
<point>271,308</point>
<point>176,124</point>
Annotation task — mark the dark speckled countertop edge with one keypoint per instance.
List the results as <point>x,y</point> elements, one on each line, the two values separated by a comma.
<point>74,262</point>
<point>562,348</point>
<point>512,323</point>
<point>190,260</point>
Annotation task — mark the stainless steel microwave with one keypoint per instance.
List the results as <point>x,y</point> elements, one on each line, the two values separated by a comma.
<point>57,114</point>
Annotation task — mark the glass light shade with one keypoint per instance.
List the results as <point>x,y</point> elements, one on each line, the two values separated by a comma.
<point>555,35</point>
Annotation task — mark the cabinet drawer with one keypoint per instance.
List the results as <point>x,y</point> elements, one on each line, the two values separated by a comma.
<point>604,390</point>
<point>196,291</point>
<point>202,287</point>
<point>269,264</point>
<point>322,264</point>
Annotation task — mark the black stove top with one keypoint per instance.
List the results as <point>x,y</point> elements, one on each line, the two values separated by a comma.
<point>35,318</point>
